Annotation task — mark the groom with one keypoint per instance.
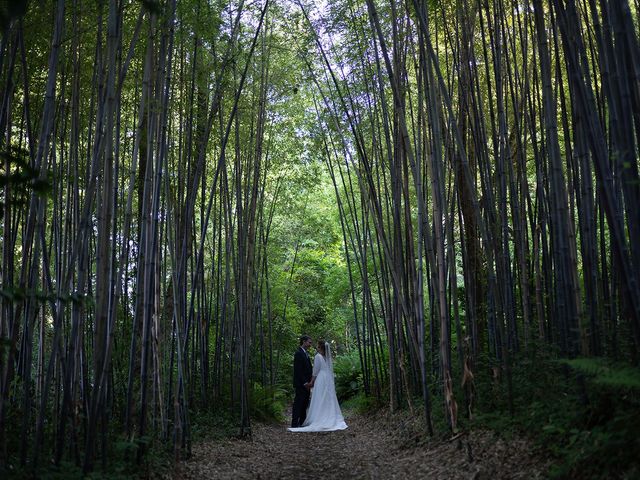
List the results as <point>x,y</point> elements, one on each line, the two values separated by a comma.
<point>301,376</point>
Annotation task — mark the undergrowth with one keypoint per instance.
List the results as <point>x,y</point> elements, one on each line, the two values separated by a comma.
<point>583,412</point>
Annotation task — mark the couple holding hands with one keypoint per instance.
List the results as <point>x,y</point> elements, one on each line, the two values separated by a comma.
<point>315,383</point>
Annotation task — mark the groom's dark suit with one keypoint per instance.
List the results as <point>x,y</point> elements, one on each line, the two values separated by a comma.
<point>301,374</point>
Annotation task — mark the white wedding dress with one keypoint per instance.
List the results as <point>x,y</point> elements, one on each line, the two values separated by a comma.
<point>324,413</point>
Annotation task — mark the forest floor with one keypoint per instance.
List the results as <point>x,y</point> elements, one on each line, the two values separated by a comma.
<point>374,446</point>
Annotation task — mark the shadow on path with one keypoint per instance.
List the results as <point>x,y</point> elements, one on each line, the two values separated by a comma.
<point>378,446</point>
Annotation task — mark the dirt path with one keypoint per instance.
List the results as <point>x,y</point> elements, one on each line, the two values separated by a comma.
<point>373,447</point>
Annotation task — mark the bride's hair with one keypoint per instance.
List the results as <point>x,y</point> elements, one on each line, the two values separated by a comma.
<point>322,346</point>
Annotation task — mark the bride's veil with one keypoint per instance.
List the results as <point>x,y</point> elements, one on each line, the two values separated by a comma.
<point>327,357</point>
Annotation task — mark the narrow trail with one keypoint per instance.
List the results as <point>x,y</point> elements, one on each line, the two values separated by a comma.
<point>379,446</point>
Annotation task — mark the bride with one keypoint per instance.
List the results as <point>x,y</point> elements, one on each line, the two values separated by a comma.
<point>324,413</point>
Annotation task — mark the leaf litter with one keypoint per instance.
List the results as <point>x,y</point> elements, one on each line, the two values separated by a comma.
<point>375,446</point>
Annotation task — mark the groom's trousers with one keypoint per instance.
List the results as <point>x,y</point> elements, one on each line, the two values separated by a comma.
<point>300,405</point>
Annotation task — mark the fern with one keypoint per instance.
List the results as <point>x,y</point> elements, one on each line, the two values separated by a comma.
<point>267,403</point>
<point>605,373</point>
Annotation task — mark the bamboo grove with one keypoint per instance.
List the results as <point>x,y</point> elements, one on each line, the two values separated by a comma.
<point>483,160</point>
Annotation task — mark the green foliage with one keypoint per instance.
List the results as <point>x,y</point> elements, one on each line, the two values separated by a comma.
<point>361,403</point>
<point>212,423</point>
<point>606,374</point>
<point>308,276</point>
<point>122,463</point>
<point>348,375</point>
<point>586,417</point>
<point>22,178</point>
<point>267,403</point>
